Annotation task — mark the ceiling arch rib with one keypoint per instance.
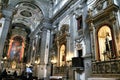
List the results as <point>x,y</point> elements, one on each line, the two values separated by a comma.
<point>22,26</point>
<point>28,14</point>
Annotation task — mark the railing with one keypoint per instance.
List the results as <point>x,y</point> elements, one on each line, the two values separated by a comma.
<point>61,70</point>
<point>106,67</point>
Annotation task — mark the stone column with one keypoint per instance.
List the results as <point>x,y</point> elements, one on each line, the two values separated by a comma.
<point>38,43</point>
<point>8,18</point>
<point>92,36</point>
<point>115,38</point>
<point>32,51</point>
<point>44,53</point>
<point>29,51</point>
<point>87,56</point>
<point>71,44</point>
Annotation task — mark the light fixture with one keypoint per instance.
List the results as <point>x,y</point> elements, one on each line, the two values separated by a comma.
<point>53,60</point>
<point>28,65</point>
<point>33,48</point>
<point>5,58</point>
<point>37,61</point>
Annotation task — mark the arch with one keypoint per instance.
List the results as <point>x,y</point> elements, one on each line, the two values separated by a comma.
<point>62,54</point>
<point>105,43</point>
<point>28,14</point>
<point>27,29</point>
<point>37,4</point>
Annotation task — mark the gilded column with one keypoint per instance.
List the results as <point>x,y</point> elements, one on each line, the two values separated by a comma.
<point>10,46</point>
<point>22,51</point>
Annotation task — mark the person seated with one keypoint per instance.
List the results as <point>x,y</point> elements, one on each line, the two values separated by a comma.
<point>15,74</point>
<point>4,73</point>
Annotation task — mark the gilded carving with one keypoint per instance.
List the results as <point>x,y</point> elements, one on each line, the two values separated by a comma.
<point>60,39</point>
<point>64,28</point>
<point>62,34</point>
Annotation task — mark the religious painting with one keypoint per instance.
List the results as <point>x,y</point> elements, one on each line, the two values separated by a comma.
<point>15,49</point>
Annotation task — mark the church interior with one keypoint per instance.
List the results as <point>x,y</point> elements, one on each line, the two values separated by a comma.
<point>59,39</point>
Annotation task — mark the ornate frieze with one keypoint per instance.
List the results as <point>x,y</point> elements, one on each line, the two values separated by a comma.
<point>106,14</point>
<point>102,8</point>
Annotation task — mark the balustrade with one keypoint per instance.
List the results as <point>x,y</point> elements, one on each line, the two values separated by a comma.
<point>106,67</point>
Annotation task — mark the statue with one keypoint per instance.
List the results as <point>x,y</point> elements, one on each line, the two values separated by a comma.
<point>109,46</point>
<point>107,42</point>
<point>89,13</point>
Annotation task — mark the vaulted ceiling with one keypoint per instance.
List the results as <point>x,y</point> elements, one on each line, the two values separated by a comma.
<point>29,13</point>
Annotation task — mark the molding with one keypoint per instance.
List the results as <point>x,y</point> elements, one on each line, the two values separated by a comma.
<point>7,13</point>
<point>103,13</point>
<point>63,10</point>
<point>88,55</point>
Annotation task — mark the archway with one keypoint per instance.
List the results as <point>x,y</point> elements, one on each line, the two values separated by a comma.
<point>105,43</point>
<point>62,55</point>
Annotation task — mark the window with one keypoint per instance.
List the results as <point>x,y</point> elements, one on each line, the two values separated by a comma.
<point>79,23</point>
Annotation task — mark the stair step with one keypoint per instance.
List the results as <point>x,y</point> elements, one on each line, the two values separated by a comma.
<point>98,78</point>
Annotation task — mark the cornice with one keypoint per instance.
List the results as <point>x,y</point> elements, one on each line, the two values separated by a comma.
<point>63,10</point>
<point>44,24</point>
<point>103,13</point>
<point>7,13</point>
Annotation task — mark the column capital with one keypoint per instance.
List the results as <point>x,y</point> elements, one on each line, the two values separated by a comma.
<point>44,29</point>
<point>46,23</point>
<point>8,14</point>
